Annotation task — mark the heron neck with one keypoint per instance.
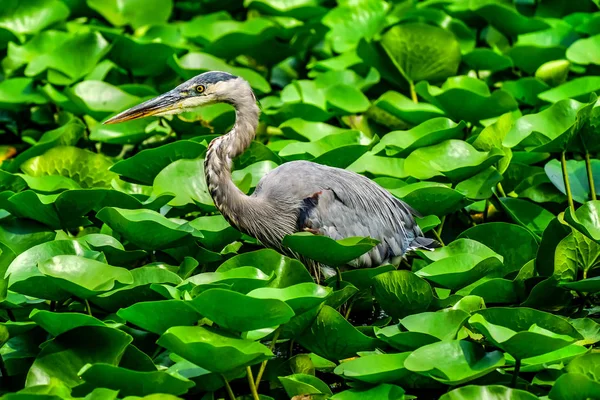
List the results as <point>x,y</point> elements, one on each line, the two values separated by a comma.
<point>228,198</point>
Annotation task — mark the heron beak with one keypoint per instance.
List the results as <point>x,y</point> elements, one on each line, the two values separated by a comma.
<point>156,106</point>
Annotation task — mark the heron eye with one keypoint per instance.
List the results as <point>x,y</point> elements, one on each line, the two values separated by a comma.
<point>200,88</point>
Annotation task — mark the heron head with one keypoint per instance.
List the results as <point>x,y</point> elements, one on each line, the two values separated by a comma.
<point>209,87</point>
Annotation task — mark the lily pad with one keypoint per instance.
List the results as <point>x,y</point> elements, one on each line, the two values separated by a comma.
<point>147,229</point>
<point>326,250</point>
<point>301,297</point>
<point>401,293</point>
<point>245,313</point>
<point>498,392</point>
<point>213,351</point>
<point>468,99</point>
<point>83,277</point>
<point>454,159</point>
<point>453,362</point>
<point>133,383</point>
<point>433,131</point>
<point>374,369</point>
<point>585,219</point>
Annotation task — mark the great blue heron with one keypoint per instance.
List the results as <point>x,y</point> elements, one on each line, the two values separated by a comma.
<point>296,196</point>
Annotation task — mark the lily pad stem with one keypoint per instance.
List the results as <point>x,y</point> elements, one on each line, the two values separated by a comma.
<point>261,371</point>
<point>251,384</point>
<point>588,167</point>
<point>228,388</point>
<point>438,233</point>
<point>563,163</point>
<point>88,308</point>
<point>515,376</point>
<point>413,93</point>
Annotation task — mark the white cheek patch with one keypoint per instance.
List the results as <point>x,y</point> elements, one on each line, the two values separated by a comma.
<point>192,102</point>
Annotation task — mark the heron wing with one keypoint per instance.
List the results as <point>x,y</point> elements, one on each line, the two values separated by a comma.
<point>339,203</point>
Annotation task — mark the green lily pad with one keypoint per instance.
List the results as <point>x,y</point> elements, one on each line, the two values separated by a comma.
<point>83,277</point>
<point>458,271</point>
<point>380,392</point>
<point>63,357</point>
<point>72,60</point>
<point>435,58</point>
<point>401,293</point>
<point>31,17</point>
<point>332,337</point>
<point>526,90</point>
<point>459,247</point>
<point>130,13</point>
<point>133,383</point>
<point>443,325</point>
<point>303,384</point>
<point>139,290</point>
<point>498,392</point>
<point>574,386</point>
<point>84,167</point>
<point>24,276</point>
<point>374,369</point>
<point>430,198</point>
<point>58,323</point>
<point>159,316</point>
<point>454,159</point>
<point>216,352</point>
<point>453,362</point>
<point>299,150</point>
<point>349,22</point>
<point>301,297</point>
<point>144,166</point>
<point>585,219</point>
<point>506,18</point>
<point>68,134</point>
<point>242,279</point>
<point>556,357</point>
<point>578,89</point>
<point>184,178</point>
<point>524,332</point>
<point>146,229</point>
<point>299,129</point>
<point>326,250</point>
<point>287,271</point>
<point>245,313</point>
<point>505,239</point>
<point>468,99</point>
<point>548,130</point>
<point>433,131</point>
<point>590,285</point>
<point>578,179</point>
<point>407,110</point>
<point>585,51</point>
<point>402,340</point>
<point>527,214</point>
<point>487,60</point>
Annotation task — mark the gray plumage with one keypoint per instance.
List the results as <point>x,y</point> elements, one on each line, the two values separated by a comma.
<point>296,196</point>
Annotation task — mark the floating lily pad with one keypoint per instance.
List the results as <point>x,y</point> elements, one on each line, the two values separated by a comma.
<point>524,332</point>
<point>585,219</point>
<point>216,352</point>
<point>498,392</point>
<point>301,297</point>
<point>245,313</point>
<point>334,338</point>
<point>326,250</point>
<point>453,362</point>
<point>468,99</point>
<point>159,316</point>
<point>454,159</point>
<point>433,131</point>
<point>133,383</point>
<point>401,293</point>
<point>374,369</point>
